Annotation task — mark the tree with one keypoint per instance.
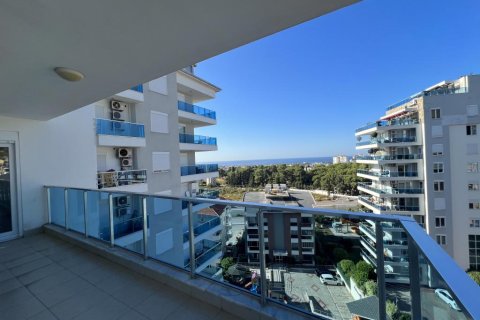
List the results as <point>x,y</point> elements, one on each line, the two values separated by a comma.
<point>475,275</point>
<point>371,288</point>
<point>366,268</point>
<point>347,266</point>
<point>226,263</point>
<point>392,309</point>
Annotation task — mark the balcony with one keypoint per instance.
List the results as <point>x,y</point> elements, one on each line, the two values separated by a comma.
<point>388,158</point>
<point>190,142</point>
<point>437,91</point>
<point>132,95</point>
<point>72,221</point>
<point>119,133</point>
<point>198,172</point>
<point>127,180</point>
<point>196,115</point>
<point>195,87</point>
<point>388,174</point>
<point>375,142</point>
<point>382,208</point>
<point>203,226</point>
<point>386,191</point>
<point>374,126</point>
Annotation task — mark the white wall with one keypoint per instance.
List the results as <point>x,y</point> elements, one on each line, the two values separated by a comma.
<point>61,151</point>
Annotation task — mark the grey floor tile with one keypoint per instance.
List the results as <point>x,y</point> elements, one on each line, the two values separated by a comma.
<point>44,315</point>
<point>5,274</point>
<point>64,291</point>
<point>13,298</point>
<point>30,266</point>
<point>78,304</point>
<point>9,285</point>
<point>40,273</point>
<point>132,315</point>
<point>194,309</point>
<point>51,281</point>
<point>18,262</point>
<point>161,304</point>
<point>23,309</point>
<point>222,315</point>
<point>108,309</point>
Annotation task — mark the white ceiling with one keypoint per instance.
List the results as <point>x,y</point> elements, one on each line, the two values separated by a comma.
<point>120,43</point>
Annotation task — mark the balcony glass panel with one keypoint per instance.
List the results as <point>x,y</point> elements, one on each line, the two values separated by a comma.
<point>388,173</point>
<point>197,139</point>
<point>331,276</point>
<point>387,123</point>
<point>391,157</point>
<point>57,206</point>
<point>138,88</point>
<point>112,179</point>
<point>76,207</point>
<point>120,128</point>
<point>389,190</point>
<point>184,106</point>
<point>198,169</point>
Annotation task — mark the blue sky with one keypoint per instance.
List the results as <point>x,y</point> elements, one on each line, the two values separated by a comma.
<point>302,92</point>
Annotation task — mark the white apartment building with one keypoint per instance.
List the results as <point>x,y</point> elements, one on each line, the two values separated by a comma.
<point>339,159</point>
<point>423,161</point>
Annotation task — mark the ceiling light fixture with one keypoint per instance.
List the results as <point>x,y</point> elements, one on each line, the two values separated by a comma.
<point>69,74</point>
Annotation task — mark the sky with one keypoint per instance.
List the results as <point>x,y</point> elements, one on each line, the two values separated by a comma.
<point>302,92</point>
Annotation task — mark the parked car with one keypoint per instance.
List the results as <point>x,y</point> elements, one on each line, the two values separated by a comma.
<point>447,298</point>
<point>326,278</point>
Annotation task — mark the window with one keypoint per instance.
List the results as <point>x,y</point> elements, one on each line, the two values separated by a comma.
<point>472,167</point>
<point>438,185</point>
<point>158,122</point>
<point>437,149</point>
<point>435,113</point>
<point>440,222</point>
<point>474,223</point>
<point>441,239</point>
<point>474,251</point>
<point>473,186</point>
<point>438,167</point>
<point>472,110</point>
<point>472,130</point>
<point>160,161</point>
<point>473,204</point>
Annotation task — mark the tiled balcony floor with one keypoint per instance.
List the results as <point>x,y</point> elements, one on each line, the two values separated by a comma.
<point>42,277</point>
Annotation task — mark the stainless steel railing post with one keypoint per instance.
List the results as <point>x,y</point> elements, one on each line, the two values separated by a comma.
<point>263,271</point>
<point>110,216</point>
<point>85,215</point>
<point>382,310</point>
<point>191,239</point>
<point>65,200</point>
<point>145,228</point>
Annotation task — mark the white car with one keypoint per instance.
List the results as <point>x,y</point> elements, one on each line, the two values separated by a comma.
<point>447,298</point>
<point>326,278</point>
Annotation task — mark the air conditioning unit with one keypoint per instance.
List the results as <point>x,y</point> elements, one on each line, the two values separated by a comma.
<point>118,115</point>
<point>122,201</point>
<point>118,126</point>
<point>126,162</point>
<point>118,106</point>
<point>124,152</point>
<point>120,212</point>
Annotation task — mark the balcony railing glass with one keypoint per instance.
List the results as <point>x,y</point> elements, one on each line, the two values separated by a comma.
<point>197,139</point>
<point>196,110</point>
<point>387,140</point>
<point>198,169</point>
<point>391,157</point>
<point>152,225</point>
<point>111,179</point>
<point>388,173</point>
<point>203,227</point>
<point>120,128</point>
<point>439,91</point>
<point>390,208</point>
<point>138,88</point>
<point>387,190</point>
<point>387,123</point>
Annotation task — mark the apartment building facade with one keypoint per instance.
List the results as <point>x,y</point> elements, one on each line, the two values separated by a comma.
<point>423,162</point>
<point>289,236</point>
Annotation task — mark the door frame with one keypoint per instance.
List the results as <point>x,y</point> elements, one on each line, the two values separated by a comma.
<point>11,138</point>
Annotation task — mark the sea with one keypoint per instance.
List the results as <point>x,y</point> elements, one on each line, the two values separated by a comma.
<point>265,162</point>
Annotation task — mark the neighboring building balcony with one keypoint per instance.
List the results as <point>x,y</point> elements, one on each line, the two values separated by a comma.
<point>85,216</point>
<point>114,133</point>
<point>386,125</point>
<point>393,142</point>
<point>388,209</point>
<point>191,142</point>
<point>127,180</point>
<point>208,223</point>
<point>198,172</point>
<point>132,95</point>
<point>387,191</point>
<point>389,175</point>
<point>374,159</point>
<point>197,88</point>
<point>208,194</point>
<point>196,115</point>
